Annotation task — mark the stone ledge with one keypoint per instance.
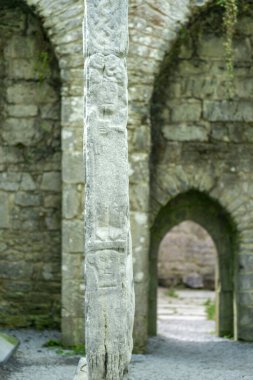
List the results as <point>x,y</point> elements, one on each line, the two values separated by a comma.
<point>8,346</point>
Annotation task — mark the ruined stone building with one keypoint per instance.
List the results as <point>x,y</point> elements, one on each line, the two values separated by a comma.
<point>190,156</point>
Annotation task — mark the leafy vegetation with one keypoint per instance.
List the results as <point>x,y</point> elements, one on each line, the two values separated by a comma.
<point>172,293</point>
<point>230,17</point>
<point>65,351</point>
<point>210,309</point>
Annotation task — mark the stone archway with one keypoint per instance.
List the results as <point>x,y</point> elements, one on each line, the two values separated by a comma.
<point>201,209</point>
<point>30,172</point>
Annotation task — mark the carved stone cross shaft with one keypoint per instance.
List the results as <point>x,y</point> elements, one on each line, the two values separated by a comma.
<point>109,297</point>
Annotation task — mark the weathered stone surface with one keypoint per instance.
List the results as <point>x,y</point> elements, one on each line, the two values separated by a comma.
<point>51,181</point>
<point>109,294</point>
<point>72,202</point>
<point>185,250</point>
<point>228,111</point>
<point>193,280</point>
<point>4,210</point>
<point>82,370</point>
<point>73,236</point>
<point>27,182</point>
<point>29,147</point>
<point>73,167</point>
<point>185,132</point>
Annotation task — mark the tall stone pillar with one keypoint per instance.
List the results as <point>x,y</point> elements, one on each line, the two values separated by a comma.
<point>109,298</point>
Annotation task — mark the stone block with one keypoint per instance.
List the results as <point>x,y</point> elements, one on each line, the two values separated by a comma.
<point>53,221</point>
<point>138,168</point>
<point>25,199</point>
<point>245,282</point>
<point>139,197</point>
<point>27,182</point>
<point>72,110</point>
<point>72,202</point>
<point>198,87</point>
<point>10,155</point>
<point>238,111</point>
<point>73,266</point>
<point>31,93</point>
<point>73,236</point>
<point>52,201</point>
<point>73,167</point>
<point>73,300</point>
<point>245,26</point>
<point>185,132</point>
<point>211,47</point>
<point>72,328</point>
<point>72,139</point>
<point>25,110</point>
<point>4,210</point>
<point>21,69</point>
<point>20,46</point>
<point>193,280</point>
<point>8,345</point>
<point>50,111</point>
<point>51,181</point>
<point>184,112</point>
<point>25,93</point>
<point>10,181</point>
<point>19,131</point>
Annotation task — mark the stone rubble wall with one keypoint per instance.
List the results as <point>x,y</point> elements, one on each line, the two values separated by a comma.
<point>187,257</point>
<point>30,174</point>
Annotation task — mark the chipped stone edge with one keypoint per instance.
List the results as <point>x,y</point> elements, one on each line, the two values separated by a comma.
<point>82,370</point>
<point>12,341</point>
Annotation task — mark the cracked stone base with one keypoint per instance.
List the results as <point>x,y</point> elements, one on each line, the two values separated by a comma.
<point>82,370</point>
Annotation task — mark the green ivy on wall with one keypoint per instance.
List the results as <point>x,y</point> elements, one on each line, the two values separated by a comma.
<point>230,18</point>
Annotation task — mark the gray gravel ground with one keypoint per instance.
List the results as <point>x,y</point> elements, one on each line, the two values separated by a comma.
<point>32,361</point>
<point>185,351</point>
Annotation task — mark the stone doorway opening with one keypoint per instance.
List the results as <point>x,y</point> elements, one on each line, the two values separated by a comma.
<point>206,212</point>
<point>187,259</point>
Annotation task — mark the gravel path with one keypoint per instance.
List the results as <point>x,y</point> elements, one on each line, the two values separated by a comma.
<point>185,351</point>
<point>32,361</point>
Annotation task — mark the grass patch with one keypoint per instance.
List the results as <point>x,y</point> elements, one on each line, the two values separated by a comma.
<point>65,351</point>
<point>210,309</point>
<point>172,293</point>
<point>52,343</point>
<point>229,336</point>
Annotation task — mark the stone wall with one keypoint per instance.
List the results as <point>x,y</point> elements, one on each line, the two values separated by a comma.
<point>187,257</point>
<point>203,136</point>
<point>30,174</point>
<point>209,150</point>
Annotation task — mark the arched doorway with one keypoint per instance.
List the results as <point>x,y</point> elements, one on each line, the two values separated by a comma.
<point>30,172</point>
<point>199,208</point>
<point>187,259</point>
